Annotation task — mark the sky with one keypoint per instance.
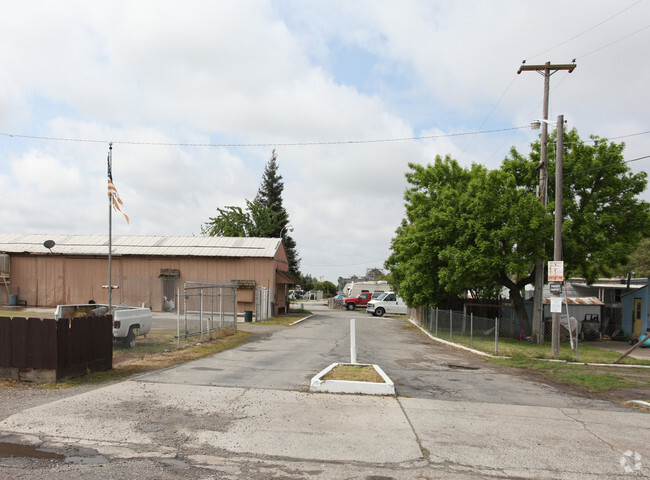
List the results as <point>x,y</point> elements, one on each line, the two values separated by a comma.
<point>195,95</point>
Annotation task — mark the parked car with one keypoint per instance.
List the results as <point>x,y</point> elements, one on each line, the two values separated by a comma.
<point>338,299</point>
<point>387,302</point>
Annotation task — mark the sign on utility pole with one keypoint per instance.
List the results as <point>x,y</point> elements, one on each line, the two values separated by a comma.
<point>556,271</point>
<point>556,304</point>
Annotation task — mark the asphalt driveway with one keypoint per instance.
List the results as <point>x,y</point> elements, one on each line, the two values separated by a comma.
<point>420,367</point>
<point>246,414</point>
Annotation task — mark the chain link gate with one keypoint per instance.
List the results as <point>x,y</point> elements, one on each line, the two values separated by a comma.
<point>207,308</point>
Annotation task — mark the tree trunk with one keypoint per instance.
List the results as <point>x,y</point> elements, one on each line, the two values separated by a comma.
<point>520,309</point>
<point>516,298</point>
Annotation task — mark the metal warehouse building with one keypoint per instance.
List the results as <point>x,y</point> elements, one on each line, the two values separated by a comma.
<point>147,269</point>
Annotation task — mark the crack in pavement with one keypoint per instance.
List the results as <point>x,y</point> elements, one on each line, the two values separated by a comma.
<point>587,429</point>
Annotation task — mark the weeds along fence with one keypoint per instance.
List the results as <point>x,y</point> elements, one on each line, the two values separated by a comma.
<point>207,308</point>
<point>467,328</point>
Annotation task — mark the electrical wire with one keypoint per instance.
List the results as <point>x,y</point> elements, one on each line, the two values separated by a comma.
<point>567,174</point>
<point>613,42</point>
<point>341,142</point>
<point>471,140</point>
<point>293,144</point>
<point>344,265</point>
<point>585,31</point>
<point>629,135</point>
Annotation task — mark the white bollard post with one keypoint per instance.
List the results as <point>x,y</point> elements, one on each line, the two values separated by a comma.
<point>353,342</point>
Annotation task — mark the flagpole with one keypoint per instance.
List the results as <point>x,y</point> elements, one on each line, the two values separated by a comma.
<point>110,231</point>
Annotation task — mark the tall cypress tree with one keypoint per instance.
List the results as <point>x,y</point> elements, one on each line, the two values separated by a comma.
<point>269,195</point>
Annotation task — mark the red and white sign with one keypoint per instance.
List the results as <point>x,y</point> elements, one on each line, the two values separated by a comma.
<point>556,271</point>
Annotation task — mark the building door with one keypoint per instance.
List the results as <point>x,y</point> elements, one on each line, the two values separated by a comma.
<point>170,278</point>
<point>638,307</point>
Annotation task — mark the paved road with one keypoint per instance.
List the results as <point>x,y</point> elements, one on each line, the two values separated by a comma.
<point>288,359</point>
<point>245,414</point>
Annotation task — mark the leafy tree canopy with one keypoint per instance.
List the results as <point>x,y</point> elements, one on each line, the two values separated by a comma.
<point>255,221</point>
<point>265,216</point>
<point>639,262</point>
<point>473,229</point>
<point>603,219</point>
<point>328,288</point>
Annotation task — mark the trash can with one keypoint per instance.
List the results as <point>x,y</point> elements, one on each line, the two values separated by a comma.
<point>13,300</point>
<point>248,316</point>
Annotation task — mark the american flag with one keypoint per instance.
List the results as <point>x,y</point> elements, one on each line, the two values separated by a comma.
<point>112,192</point>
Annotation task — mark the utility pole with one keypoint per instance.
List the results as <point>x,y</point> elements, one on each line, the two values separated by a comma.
<point>557,239</point>
<point>538,306</point>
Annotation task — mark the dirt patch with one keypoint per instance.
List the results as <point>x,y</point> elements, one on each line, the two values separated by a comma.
<point>358,373</point>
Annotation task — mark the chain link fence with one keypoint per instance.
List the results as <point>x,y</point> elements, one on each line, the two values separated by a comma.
<point>484,334</point>
<point>207,308</point>
<point>468,329</point>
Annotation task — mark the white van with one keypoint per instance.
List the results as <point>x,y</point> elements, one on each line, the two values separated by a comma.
<point>386,303</point>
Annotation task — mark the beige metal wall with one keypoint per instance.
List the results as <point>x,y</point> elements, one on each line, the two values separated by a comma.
<point>49,280</point>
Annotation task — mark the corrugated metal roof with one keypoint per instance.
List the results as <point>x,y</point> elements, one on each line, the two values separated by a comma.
<point>141,245</point>
<point>634,283</point>
<point>579,301</point>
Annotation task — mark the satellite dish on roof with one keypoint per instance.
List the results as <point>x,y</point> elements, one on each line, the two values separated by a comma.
<point>49,244</point>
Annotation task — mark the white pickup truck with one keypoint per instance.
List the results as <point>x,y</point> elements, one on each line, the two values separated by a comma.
<point>128,322</point>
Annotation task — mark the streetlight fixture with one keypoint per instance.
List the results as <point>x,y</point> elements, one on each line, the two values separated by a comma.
<point>536,124</point>
<point>557,238</point>
<point>288,227</point>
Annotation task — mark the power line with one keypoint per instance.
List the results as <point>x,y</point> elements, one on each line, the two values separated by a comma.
<point>345,264</point>
<point>617,137</point>
<point>566,174</point>
<point>615,41</point>
<point>292,144</point>
<point>489,115</point>
<point>585,31</point>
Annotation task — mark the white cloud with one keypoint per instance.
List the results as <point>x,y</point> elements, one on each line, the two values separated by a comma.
<point>151,75</point>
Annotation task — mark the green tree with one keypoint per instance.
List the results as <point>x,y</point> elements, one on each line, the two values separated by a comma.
<point>256,221</point>
<point>466,230</point>
<point>603,220</point>
<point>471,229</point>
<point>328,288</point>
<point>264,217</point>
<point>307,282</point>
<point>269,195</point>
<point>639,262</point>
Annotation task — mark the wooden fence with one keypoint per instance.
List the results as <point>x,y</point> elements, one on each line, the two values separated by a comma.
<point>47,350</point>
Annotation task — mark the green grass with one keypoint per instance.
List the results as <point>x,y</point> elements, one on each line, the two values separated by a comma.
<point>584,376</point>
<point>355,373</point>
<point>285,320</point>
<point>593,382</point>
<point>517,348</point>
<point>531,359</point>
